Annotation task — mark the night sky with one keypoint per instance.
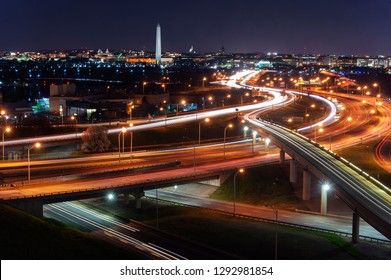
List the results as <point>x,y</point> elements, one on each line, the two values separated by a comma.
<point>360,27</point>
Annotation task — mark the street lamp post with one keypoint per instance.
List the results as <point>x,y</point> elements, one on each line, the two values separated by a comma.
<point>74,118</point>
<point>245,129</point>
<point>225,134</point>
<point>199,130</point>
<point>323,199</point>
<point>144,83</point>
<point>240,170</point>
<point>130,109</point>
<point>6,130</point>
<point>183,102</point>
<point>267,143</point>
<point>3,115</point>
<point>36,145</point>
<point>203,81</point>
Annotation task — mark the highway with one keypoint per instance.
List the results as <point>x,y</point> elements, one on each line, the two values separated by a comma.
<point>361,193</point>
<point>110,182</point>
<point>150,242</point>
<point>277,100</point>
<point>327,222</point>
<point>371,201</point>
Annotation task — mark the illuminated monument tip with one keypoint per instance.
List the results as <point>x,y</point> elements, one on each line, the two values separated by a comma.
<point>158,45</point>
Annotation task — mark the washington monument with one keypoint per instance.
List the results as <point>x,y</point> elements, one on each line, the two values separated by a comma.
<point>158,45</point>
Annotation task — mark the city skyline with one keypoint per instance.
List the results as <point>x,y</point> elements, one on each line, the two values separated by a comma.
<point>335,27</point>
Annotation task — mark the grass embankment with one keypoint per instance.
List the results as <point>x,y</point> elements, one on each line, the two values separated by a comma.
<point>266,185</point>
<point>243,239</point>
<point>23,236</point>
<point>362,155</point>
<point>295,115</point>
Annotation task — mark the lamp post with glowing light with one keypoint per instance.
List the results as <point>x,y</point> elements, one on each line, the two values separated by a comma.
<point>377,85</point>
<point>323,199</point>
<point>144,84</point>
<point>6,130</point>
<point>3,115</point>
<point>37,146</point>
<point>199,129</point>
<point>203,81</point>
<point>319,131</point>
<point>267,143</point>
<point>130,110</point>
<point>245,129</point>
<point>225,134</point>
<point>74,118</point>
<point>240,170</point>
<point>62,114</point>
<point>183,102</point>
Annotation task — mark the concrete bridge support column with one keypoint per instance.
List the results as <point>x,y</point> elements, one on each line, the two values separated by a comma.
<point>282,156</point>
<point>32,206</point>
<point>293,171</point>
<point>138,195</point>
<point>126,198</point>
<point>356,227</point>
<point>306,185</point>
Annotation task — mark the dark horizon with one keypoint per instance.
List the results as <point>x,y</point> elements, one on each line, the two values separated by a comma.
<point>301,27</point>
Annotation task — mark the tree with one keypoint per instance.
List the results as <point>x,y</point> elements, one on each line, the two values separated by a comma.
<point>95,139</point>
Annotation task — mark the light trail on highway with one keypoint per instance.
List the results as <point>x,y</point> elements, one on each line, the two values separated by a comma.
<point>103,224</point>
<point>362,193</point>
<point>328,222</point>
<point>166,121</point>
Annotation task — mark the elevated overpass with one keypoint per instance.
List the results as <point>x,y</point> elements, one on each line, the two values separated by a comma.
<point>367,197</point>
<point>31,199</point>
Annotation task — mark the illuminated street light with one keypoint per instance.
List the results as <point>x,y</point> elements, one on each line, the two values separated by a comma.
<point>240,170</point>
<point>62,114</point>
<point>6,130</point>
<point>225,134</point>
<point>183,102</point>
<point>378,86</point>
<point>130,109</point>
<point>74,118</point>
<point>320,130</point>
<point>203,82</point>
<point>199,129</point>
<point>123,130</point>
<point>110,196</point>
<point>144,84</point>
<point>245,129</point>
<point>323,199</point>
<point>267,143</point>
<point>37,146</point>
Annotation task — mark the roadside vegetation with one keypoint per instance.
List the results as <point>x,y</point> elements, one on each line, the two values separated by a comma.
<point>23,236</point>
